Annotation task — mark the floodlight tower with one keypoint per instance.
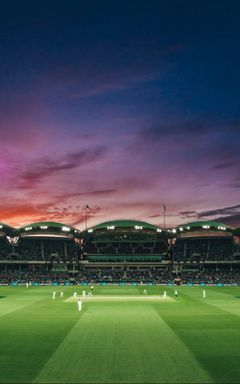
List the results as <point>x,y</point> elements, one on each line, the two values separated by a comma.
<point>164,216</point>
<point>87,209</point>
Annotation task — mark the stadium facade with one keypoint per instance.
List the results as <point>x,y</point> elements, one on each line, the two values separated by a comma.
<point>120,251</point>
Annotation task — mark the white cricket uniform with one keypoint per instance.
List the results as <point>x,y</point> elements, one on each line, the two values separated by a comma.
<point>54,295</point>
<point>75,294</point>
<point>145,292</point>
<point>26,285</point>
<point>79,305</point>
<point>61,294</point>
<point>165,294</point>
<point>84,293</point>
<point>176,293</point>
<point>204,294</point>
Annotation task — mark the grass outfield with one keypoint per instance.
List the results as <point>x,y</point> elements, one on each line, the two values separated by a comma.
<point>184,340</point>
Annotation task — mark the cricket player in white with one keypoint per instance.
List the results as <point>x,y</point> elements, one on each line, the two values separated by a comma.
<point>145,292</point>
<point>79,303</point>
<point>62,294</point>
<point>26,284</point>
<point>84,293</point>
<point>164,294</point>
<point>75,295</point>
<point>54,295</point>
<point>175,293</point>
<point>204,294</point>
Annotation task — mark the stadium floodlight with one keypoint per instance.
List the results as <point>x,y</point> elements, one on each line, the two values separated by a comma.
<point>159,230</point>
<point>222,228</point>
<point>44,227</point>
<point>181,229</point>
<point>138,227</point>
<point>174,230</point>
<point>188,227</point>
<point>66,229</point>
<point>1,226</point>
<point>28,228</point>
<point>111,227</point>
<point>90,230</point>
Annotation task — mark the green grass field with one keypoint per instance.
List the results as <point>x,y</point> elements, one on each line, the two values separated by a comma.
<point>184,340</point>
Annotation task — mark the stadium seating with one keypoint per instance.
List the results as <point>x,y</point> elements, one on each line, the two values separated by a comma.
<point>119,251</point>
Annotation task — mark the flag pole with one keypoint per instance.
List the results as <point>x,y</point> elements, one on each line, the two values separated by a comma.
<point>86,216</point>
<point>164,216</point>
<point>86,211</point>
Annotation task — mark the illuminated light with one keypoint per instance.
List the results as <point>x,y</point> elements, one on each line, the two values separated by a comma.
<point>174,230</point>
<point>44,227</point>
<point>188,227</point>
<point>159,230</point>
<point>181,229</point>
<point>66,229</point>
<point>1,226</point>
<point>28,228</point>
<point>90,230</point>
<point>138,227</point>
<point>111,227</point>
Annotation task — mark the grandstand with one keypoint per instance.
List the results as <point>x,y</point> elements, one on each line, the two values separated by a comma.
<point>120,251</point>
<point>42,250</point>
<point>7,236</point>
<point>203,241</point>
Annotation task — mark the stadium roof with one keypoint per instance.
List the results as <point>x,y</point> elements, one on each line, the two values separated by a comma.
<point>6,229</point>
<point>125,224</point>
<point>203,228</point>
<point>197,224</point>
<point>46,226</point>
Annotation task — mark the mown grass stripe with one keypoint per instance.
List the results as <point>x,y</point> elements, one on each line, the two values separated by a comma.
<point>122,343</point>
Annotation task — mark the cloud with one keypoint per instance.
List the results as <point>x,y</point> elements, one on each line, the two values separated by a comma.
<point>98,192</point>
<point>194,130</point>
<point>234,185</point>
<point>153,216</point>
<point>227,215</point>
<point>26,213</point>
<point>187,214</point>
<point>232,220</point>
<point>226,211</point>
<point>226,164</point>
<point>82,76</point>
<point>176,128</point>
<point>45,167</point>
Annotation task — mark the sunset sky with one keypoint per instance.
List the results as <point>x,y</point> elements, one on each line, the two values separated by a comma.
<point>121,105</point>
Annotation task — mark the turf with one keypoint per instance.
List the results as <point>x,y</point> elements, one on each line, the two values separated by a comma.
<point>186,339</point>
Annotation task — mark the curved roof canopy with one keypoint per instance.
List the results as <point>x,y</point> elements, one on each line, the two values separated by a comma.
<point>125,224</point>
<point>48,226</point>
<point>203,226</point>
